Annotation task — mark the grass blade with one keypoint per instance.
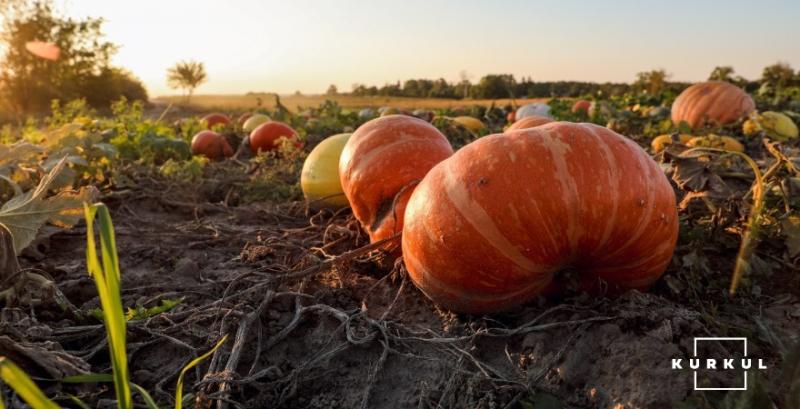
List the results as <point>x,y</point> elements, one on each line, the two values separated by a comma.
<point>19,381</point>
<point>190,365</point>
<point>106,274</point>
<point>148,400</point>
<point>78,402</point>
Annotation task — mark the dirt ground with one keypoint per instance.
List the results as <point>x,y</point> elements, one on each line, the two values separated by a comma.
<point>318,320</point>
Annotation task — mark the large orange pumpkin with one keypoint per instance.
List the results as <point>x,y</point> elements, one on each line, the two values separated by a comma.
<point>711,102</point>
<point>380,165</point>
<point>267,136</point>
<point>529,122</point>
<point>489,228</point>
<point>211,145</point>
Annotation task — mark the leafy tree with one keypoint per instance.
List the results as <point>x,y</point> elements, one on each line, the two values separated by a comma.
<point>187,75</point>
<point>724,73</point>
<point>652,82</point>
<point>495,86</point>
<point>779,74</point>
<point>332,90</point>
<point>29,83</point>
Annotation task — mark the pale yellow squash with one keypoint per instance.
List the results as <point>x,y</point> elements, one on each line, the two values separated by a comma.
<point>320,176</point>
<point>714,141</point>
<point>473,124</point>
<point>253,122</point>
<point>660,142</point>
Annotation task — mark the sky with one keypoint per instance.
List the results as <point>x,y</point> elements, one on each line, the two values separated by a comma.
<point>306,45</point>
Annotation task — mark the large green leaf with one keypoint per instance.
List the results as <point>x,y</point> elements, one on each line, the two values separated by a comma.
<point>18,152</point>
<point>25,214</point>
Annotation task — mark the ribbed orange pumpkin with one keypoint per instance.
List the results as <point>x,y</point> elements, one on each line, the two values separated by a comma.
<point>581,106</point>
<point>529,122</point>
<point>711,102</point>
<point>382,158</point>
<point>489,228</point>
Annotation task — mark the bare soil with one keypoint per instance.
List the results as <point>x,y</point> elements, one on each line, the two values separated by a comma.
<point>318,319</point>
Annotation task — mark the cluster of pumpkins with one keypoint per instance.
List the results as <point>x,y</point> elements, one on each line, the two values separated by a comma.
<point>718,103</point>
<point>519,214</point>
<point>492,225</point>
<point>263,134</point>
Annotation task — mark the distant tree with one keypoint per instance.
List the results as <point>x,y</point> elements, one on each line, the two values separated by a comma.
<point>332,90</point>
<point>780,74</point>
<point>724,73</point>
<point>653,82</point>
<point>494,86</point>
<point>29,83</point>
<point>187,75</point>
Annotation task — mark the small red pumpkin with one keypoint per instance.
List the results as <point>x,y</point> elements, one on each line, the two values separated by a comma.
<point>511,117</point>
<point>489,228</point>
<point>380,165</point>
<point>266,136</point>
<point>711,102</point>
<point>214,119</point>
<point>581,106</point>
<point>529,122</point>
<point>212,145</point>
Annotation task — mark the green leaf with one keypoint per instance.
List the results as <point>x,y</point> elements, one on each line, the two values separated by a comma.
<point>25,214</point>
<point>190,365</point>
<point>140,313</point>
<point>18,152</point>
<point>106,274</point>
<point>22,384</point>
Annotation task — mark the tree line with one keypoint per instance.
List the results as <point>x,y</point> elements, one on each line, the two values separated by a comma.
<point>496,86</point>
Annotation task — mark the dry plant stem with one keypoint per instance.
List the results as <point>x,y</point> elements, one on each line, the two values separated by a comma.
<point>236,351</point>
<point>749,237</point>
<point>372,378</point>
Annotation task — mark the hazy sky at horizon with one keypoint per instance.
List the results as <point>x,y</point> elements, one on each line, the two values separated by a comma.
<point>305,45</point>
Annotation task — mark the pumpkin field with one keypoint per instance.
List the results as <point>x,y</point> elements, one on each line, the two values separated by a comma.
<point>554,254</point>
<point>512,205</point>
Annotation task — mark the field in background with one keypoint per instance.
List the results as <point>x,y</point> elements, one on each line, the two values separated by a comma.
<point>293,102</point>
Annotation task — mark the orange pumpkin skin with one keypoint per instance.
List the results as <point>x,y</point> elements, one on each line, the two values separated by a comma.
<point>711,102</point>
<point>581,106</point>
<point>384,157</point>
<point>267,135</point>
<point>212,145</point>
<point>529,122</point>
<point>216,119</point>
<point>488,228</point>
